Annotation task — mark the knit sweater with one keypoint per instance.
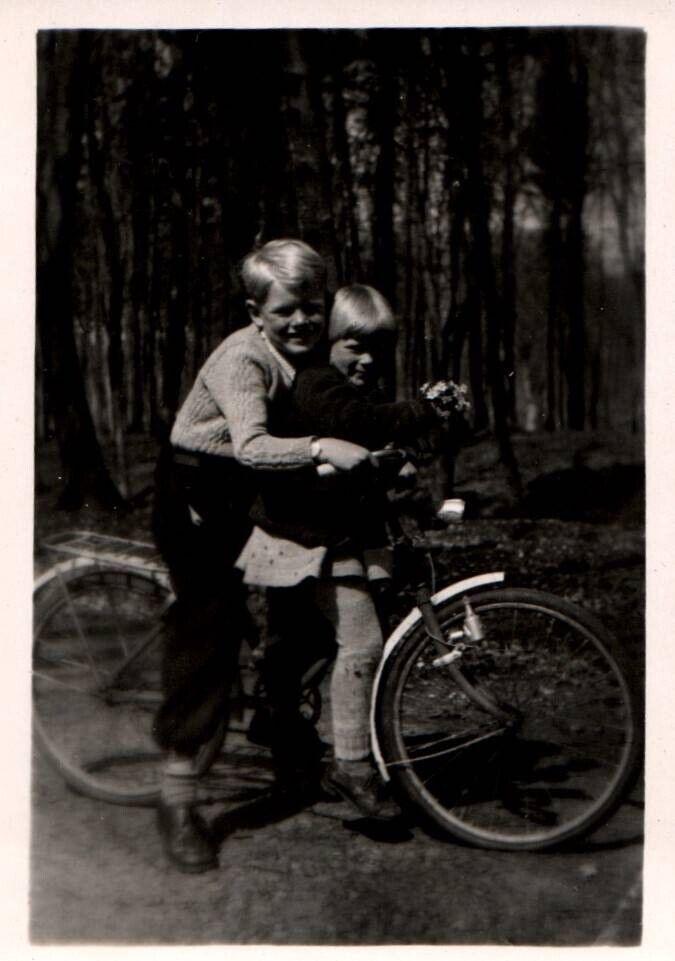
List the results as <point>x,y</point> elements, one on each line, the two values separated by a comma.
<point>226,411</point>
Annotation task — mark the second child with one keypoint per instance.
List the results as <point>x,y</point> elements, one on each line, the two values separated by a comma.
<point>321,542</point>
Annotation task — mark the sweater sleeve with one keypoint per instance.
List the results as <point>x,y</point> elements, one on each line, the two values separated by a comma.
<point>239,385</point>
<point>328,405</point>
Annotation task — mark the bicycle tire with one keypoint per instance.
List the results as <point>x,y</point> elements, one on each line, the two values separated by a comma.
<point>98,735</point>
<point>559,771</point>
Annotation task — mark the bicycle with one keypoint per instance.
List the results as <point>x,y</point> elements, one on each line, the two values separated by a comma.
<point>502,716</point>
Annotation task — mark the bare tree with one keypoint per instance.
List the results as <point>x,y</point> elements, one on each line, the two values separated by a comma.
<point>61,77</point>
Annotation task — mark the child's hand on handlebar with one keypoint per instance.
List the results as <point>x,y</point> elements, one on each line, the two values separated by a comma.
<point>342,454</point>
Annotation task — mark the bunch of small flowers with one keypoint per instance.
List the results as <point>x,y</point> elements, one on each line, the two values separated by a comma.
<point>447,398</point>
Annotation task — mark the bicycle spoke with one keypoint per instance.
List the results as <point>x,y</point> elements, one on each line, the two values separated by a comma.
<point>69,686</point>
<point>77,625</point>
<point>454,749</point>
<point>116,622</point>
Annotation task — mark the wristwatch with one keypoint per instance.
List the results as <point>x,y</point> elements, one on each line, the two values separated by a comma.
<point>315,450</point>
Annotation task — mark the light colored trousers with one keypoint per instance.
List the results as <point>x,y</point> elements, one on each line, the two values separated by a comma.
<point>348,605</point>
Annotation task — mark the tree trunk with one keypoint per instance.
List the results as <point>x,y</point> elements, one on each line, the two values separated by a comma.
<point>308,154</point>
<point>553,322</point>
<point>113,305</point>
<point>406,340</point>
<point>141,227</point>
<point>626,190</point>
<point>575,362</point>
<point>508,252</point>
<point>352,267</point>
<point>383,118</point>
<point>61,81</point>
<point>463,324</point>
<point>316,61</point>
<point>484,274</point>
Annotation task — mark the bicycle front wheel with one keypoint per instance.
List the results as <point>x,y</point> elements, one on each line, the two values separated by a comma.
<point>97,654</point>
<point>550,765</point>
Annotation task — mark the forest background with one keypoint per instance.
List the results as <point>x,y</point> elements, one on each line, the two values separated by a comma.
<point>490,182</point>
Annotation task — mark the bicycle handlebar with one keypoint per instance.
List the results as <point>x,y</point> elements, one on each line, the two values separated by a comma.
<point>378,458</point>
<point>451,510</point>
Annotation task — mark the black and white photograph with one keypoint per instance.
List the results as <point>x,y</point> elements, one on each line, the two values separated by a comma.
<point>340,406</point>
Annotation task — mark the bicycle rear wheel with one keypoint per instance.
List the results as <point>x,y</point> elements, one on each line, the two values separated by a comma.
<point>553,773</point>
<point>96,680</point>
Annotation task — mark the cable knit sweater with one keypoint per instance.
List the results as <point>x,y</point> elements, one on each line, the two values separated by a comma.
<point>226,412</point>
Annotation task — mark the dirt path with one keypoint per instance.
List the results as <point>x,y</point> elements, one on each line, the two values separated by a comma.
<point>312,878</point>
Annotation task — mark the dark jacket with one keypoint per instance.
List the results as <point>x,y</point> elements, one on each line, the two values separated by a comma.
<point>344,509</point>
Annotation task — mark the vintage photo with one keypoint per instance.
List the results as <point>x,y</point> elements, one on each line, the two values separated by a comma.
<point>339,602</point>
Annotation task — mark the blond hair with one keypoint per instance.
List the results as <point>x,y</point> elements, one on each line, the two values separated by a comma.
<point>292,263</point>
<point>359,311</point>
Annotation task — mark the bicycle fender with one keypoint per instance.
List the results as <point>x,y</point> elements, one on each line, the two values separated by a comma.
<point>52,573</point>
<point>403,630</point>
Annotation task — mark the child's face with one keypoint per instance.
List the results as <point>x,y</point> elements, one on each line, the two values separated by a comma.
<point>292,319</point>
<point>357,359</point>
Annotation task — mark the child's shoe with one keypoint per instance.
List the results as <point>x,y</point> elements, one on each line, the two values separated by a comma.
<point>358,783</point>
<point>186,839</point>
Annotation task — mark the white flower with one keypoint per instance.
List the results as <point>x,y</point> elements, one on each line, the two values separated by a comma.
<point>447,397</point>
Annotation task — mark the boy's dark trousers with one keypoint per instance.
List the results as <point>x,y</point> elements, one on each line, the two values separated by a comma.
<point>200,523</point>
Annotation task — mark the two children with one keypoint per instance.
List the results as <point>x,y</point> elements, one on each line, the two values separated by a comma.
<point>258,411</point>
<point>204,491</point>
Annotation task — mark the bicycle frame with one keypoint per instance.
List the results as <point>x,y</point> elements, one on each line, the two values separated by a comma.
<point>408,624</point>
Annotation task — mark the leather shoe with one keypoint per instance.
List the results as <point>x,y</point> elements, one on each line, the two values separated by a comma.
<point>363,790</point>
<point>186,839</point>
